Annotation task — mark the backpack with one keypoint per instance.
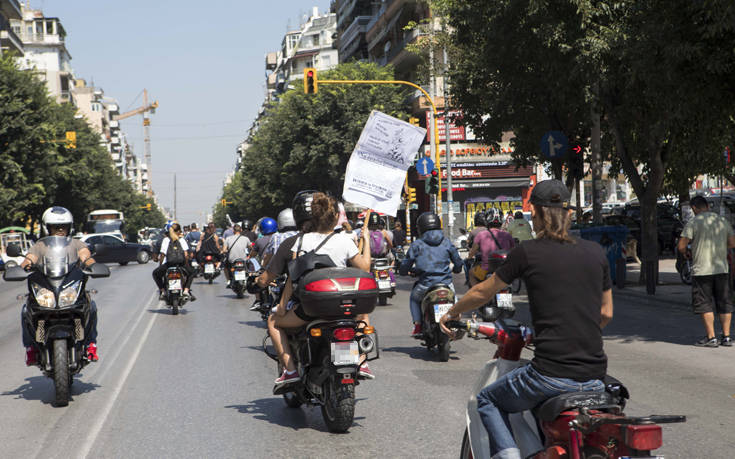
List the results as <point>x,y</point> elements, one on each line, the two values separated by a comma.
<point>175,254</point>
<point>309,261</point>
<point>377,243</point>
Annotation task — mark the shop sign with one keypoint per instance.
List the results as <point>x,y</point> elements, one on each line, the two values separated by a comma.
<point>456,133</point>
<point>504,203</point>
<point>473,152</point>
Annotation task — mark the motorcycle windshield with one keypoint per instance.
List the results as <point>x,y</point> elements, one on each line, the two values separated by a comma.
<point>59,256</point>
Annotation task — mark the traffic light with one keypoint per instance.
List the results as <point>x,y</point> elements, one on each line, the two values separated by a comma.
<point>411,197</point>
<point>224,202</point>
<point>146,207</point>
<point>310,81</point>
<point>71,139</point>
<point>413,120</point>
<point>432,183</point>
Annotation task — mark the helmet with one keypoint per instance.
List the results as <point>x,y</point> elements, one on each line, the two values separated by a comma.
<point>247,225</point>
<point>167,226</point>
<point>285,220</point>
<point>268,226</point>
<point>493,217</point>
<point>57,216</point>
<point>479,219</point>
<point>428,221</point>
<point>302,206</point>
<point>374,221</point>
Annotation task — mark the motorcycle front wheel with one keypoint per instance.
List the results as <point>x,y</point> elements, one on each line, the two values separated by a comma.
<point>338,410</point>
<point>61,372</point>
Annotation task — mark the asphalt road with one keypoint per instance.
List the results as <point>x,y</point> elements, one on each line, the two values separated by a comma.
<point>198,385</point>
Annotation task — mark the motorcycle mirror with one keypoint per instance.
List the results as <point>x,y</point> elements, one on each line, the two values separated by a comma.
<point>97,270</point>
<point>13,250</point>
<point>14,274</point>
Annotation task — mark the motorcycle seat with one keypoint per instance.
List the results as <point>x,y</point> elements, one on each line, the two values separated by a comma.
<point>550,409</point>
<point>438,287</point>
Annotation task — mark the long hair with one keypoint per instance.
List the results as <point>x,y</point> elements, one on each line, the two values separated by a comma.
<point>173,231</point>
<point>325,212</point>
<point>552,223</point>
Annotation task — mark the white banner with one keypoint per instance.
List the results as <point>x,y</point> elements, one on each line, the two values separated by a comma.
<point>377,168</point>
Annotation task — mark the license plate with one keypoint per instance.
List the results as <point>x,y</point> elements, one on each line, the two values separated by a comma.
<point>504,300</point>
<point>345,353</point>
<point>194,263</point>
<point>240,275</point>
<point>384,284</point>
<point>209,268</point>
<point>440,310</point>
<point>174,284</point>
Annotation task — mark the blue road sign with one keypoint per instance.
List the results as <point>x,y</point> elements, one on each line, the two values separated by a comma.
<point>424,166</point>
<point>554,144</point>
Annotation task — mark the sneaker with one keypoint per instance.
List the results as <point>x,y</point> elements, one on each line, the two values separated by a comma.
<point>92,352</point>
<point>255,306</point>
<point>726,341</point>
<point>707,342</point>
<point>31,356</point>
<point>416,331</point>
<point>161,296</point>
<point>288,377</point>
<point>229,284</point>
<point>365,372</point>
<point>191,296</point>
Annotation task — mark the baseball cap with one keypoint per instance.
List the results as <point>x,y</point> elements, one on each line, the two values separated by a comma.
<point>551,193</point>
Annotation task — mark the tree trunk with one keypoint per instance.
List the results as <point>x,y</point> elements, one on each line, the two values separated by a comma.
<point>649,240</point>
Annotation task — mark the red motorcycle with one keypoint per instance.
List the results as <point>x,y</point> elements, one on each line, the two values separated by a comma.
<point>576,425</point>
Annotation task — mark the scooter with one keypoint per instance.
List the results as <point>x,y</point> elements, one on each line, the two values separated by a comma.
<point>238,276</point>
<point>385,277</point>
<point>574,425</point>
<point>209,269</point>
<point>436,302</point>
<point>175,277</point>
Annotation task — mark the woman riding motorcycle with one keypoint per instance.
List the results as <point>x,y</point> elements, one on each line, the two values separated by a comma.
<point>430,256</point>
<point>174,234</point>
<point>486,242</point>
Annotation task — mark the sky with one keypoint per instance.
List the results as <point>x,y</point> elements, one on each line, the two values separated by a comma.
<point>203,61</point>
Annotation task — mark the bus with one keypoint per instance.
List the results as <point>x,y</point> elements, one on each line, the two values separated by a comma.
<point>105,221</point>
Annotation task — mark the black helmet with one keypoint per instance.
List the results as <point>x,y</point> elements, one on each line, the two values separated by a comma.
<point>374,222</point>
<point>247,225</point>
<point>428,221</point>
<point>479,219</point>
<point>301,206</point>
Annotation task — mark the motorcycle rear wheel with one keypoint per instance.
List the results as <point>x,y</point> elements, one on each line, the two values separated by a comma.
<point>338,410</point>
<point>292,401</point>
<point>382,300</point>
<point>210,280</point>
<point>175,298</point>
<point>61,372</point>
<point>443,346</point>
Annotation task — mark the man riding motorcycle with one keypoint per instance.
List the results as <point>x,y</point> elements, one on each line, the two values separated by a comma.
<point>430,256</point>
<point>268,227</point>
<point>209,244</point>
<point>570,298</point>
<point>237,246</point>
<point>58,221</point>
<point>486,242</point>
<point>168,247</point>
<point>286,229</point>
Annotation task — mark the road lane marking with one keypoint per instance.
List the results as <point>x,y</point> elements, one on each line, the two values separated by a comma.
<point>101,418</point>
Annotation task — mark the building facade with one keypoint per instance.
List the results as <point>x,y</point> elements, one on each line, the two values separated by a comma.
<point>10,42</point>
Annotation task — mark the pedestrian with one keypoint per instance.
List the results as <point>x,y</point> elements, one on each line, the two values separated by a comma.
<point>399,236</point>
<point>711,236</point>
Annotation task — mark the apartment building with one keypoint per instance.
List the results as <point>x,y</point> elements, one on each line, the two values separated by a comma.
<point>10,42</point>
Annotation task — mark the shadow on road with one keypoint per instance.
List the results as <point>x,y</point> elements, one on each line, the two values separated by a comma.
<point>41,388</point>
<point>254,323</point>
<point>419,352</point>
<point>275,411</point>
<point>168,311</point>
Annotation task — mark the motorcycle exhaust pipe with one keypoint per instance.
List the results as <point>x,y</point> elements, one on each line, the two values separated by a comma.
<point>366,344</point>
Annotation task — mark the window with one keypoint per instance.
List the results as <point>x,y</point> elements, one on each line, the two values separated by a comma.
<point>109,240</point>
<point>326,61</point>
<point>50,27</point>
<point>315,40</point>
<point>39,27</point>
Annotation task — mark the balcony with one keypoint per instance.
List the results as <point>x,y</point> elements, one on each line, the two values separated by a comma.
<point>113,108</point>
<point>11,9</point>
<point>351,38</point>
<point>115,140</point>
<point>10,42</point>
<point>114,124</point>
<point>271,61</point>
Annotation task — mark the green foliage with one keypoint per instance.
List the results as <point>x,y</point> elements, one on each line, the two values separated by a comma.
<point>304,141</point>
<point>38,171</point>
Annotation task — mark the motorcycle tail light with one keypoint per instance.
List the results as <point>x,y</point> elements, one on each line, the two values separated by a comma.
<point>498,256</point>
<point>174,275</point>
<point>209,257</point>
<point>643,437</point>
<point>367,284</point>
<point>344,334</point>
<point>383,274</point>
<point>323,285</point>
<point>442,294</point>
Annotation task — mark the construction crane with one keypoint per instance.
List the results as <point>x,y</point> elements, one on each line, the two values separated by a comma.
<point>144,110</point>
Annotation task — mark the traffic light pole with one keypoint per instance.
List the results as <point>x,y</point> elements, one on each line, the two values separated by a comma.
<point>450,194</point>
<point>435,131</point>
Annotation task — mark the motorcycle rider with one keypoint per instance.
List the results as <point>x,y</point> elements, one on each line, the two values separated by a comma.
<point>519,228</point>
<point>286,229</point>
<point>430,256</point>
<point>480,226</point>
<point>491,240</point>
<point>173,236</point>
<point>342,251</point>
<point>193,236</point>
<point>570,298</point>
<point>58,221</point>
<point>247,227</point>
<point>209,244</point>
<point>236,246</point>
<point>380,241</point>
<point>268,227</point>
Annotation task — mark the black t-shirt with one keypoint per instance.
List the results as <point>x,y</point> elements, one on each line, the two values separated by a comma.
<point>565,283</point>
<point>399,237</point>
<point>278,263</point>
<point>250,235</point>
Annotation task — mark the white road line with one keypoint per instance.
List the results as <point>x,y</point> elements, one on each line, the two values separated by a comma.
<point>99,421</point>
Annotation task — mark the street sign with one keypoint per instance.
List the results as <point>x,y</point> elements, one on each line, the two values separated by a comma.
<point>424,166</point>
<point>554,144</point>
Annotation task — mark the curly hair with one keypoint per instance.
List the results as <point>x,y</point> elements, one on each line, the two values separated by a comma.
<point>325,212</point>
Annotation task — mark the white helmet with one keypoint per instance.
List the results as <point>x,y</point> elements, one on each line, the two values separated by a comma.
<point>285,220</point>
<point>57,215</point>
<point>493,217</point>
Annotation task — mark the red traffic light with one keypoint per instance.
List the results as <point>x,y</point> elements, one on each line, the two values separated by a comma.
<point>434,172</point>
<point>310,73</point>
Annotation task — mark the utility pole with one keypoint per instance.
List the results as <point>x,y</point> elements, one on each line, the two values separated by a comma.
<point>450,195</point>
<point>147,144</point>
<point>596,161</point>
<point>174,196</point>
<point>431,125</point>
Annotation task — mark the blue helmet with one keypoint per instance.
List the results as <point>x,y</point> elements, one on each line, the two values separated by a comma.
<point>268,226</point>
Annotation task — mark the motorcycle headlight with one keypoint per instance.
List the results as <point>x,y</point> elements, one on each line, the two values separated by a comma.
<point>69,295</point>
<point>44,297</point>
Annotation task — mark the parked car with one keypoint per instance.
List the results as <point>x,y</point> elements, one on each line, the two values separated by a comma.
<point>669,223</point>
<point>110,248</point>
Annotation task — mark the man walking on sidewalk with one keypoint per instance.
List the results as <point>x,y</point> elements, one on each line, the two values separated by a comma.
<point>711,236</point>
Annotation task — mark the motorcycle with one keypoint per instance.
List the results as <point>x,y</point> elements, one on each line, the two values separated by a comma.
<point>327,352</point>
<point>57,311</point>
<point>436,302</point>
<point>175,277</point>
<point>238,276</point>
<point>572,425</point>
<point>385,277</point>
<point>209,269</point>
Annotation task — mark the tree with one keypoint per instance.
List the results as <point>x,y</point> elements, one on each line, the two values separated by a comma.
<point>305,141</point>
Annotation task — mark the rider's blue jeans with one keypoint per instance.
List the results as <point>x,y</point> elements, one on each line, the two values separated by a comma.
<point>520,390</point>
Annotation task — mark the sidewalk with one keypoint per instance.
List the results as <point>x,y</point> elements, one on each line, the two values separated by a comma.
<point>670,291</point>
